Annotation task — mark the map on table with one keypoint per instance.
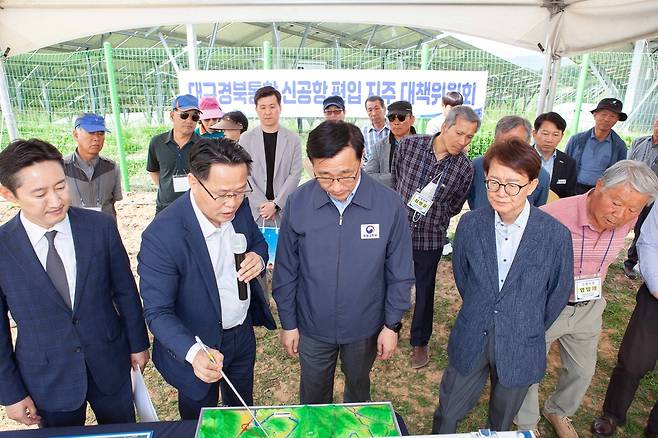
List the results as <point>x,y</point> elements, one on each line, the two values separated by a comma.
<point>350,420</point>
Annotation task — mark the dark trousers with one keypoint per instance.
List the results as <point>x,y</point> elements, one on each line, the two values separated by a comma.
<point>318,359</point>
<point>425,265</point>
<point>631,257</point>
<point>239,350</point>
<point>637,356</point>
<point>458,394</point>
<point>582,188</point>
<point>109,409</point>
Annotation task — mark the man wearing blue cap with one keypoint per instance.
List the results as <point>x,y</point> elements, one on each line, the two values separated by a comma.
<point>94,181</point>
<point>168,157</point>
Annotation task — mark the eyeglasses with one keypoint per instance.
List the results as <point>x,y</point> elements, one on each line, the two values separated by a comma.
<point>510,188</point>
<point>400,117</point>
<point>223,199</point>
<point>343,180</point>
<point>185,115</point>
<point>333,112</point>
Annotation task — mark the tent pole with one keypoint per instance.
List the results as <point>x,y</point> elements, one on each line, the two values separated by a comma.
<point>191,47</point>
<point>545,76</point>
<point>552,89</point>
<point>580,92</point>
<point>5,103</point>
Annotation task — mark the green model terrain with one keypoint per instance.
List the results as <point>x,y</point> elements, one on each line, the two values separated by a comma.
<point>356,421</point>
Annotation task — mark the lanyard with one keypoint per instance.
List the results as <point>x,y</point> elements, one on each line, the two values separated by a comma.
<point>582,250</point>
<point>98,188</point>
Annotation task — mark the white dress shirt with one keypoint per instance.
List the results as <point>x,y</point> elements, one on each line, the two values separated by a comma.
<point>63,244</point>
<point>508,238</point>
<point>218,243</point>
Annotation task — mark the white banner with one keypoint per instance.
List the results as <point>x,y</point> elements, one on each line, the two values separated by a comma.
<point>304,90</point>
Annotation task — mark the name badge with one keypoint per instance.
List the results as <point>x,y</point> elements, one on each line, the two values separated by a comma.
<point>561,181</point>
<point>369,231</point>
<point>92,208</point>
<point>587,288</point>
<point>181,184</point>
<point>420,203</point>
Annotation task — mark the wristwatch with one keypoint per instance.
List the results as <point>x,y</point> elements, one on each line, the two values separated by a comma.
<point>395,327</point>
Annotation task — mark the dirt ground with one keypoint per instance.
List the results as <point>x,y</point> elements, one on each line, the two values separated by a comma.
<point>414,393</point>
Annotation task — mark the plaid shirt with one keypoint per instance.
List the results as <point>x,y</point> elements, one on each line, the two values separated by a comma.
<point>372,136</point>
<point>414,165</point>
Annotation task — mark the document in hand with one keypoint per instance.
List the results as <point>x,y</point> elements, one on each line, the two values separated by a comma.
<point>143,404</point>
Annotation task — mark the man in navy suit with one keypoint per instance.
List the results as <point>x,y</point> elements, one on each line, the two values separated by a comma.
<point>513,268</point>
<point>65,276</point>
<point>189,281</point>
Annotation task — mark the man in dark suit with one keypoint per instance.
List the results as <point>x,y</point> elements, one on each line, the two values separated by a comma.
<point>66,278</point>
<point>189,281</point>
<point>509,258</point>
<point>548,133</point>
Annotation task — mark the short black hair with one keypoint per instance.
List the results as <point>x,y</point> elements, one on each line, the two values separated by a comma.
<point>20,154</point>
<point>515,154</point>
<point>452,98</point>
<point>208,151</point>
<point>265,92</point>
<point>375,99</point>
<point>329,138</point>
<point>552,117</point>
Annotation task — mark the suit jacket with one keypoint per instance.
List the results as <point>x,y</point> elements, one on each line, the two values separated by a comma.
<point>56,344</point>
<point>179,289</point>
<point>564,177</point>
<point>534,293</point>
<point>287,168</point>
<point>379,164</point>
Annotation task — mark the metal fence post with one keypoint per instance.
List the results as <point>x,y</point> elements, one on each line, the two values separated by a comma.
<point>114,98</point>
<point>267,55</point>
<point>5,103</point>
<point>580,92</point>
<point>424,65</point>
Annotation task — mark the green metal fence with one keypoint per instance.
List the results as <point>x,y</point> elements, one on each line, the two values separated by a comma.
<point>52,88</point>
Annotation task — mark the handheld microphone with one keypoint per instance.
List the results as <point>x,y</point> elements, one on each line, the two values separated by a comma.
<point>239,247</point>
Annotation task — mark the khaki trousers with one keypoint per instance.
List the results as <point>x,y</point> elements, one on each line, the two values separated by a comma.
<point>577,331</point>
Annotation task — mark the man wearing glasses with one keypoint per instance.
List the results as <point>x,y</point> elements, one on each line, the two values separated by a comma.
<point>401,120</point>
<point>189,281</point>
<point>168,155</point>
<point>512,267</point>
<point>343,271</point>
<point>334,108</point>
<point>432,175</point>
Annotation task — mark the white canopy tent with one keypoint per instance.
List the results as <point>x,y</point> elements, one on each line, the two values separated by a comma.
<point>558,27</point>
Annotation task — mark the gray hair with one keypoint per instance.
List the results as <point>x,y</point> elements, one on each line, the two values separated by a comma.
<point>508,123</point>
<point>636,174</point>
<point>465,112</point>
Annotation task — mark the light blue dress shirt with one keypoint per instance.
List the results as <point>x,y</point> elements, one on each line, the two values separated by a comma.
<point>508,238</point>
<point>342,205</point>
<point>547,165</point>
<point>647,248</point>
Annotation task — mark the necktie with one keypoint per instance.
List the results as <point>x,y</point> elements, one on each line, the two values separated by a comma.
<point>55,269</point>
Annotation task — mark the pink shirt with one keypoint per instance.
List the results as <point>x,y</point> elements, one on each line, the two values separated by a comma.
<point>599,249</point>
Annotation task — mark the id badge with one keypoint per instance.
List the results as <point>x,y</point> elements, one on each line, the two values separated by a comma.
<point>587,288</point>
<point>92,208</point>
<point>181,184</point>
<point>420,203</point>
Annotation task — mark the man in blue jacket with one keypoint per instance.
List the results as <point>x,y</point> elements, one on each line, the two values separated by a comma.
<point>344,268</point>
<point>189,281</point>
<point>599,147</point>
<point>513,268</point>
<point>66,279</point>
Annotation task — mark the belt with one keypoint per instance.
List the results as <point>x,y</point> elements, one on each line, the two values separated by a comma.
<point>579,304</point>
